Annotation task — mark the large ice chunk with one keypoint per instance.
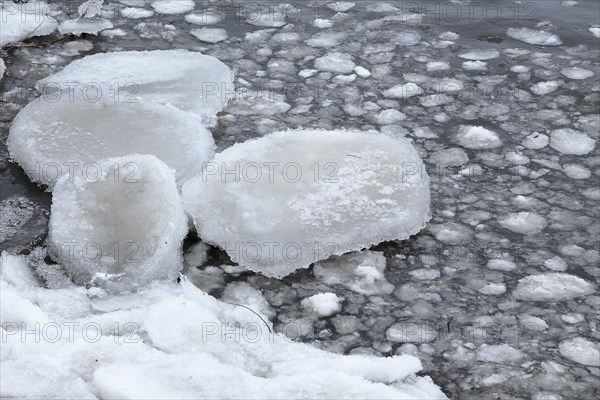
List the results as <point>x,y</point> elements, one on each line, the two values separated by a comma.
<point>51,139</point>
<point>291,198</point>
<point>24,20</point>
<point>122,229</point>
<point>534,36</point>
<point>188,80</point>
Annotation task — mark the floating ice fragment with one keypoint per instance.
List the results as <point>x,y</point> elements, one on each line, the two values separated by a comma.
<point>267,16</point>
<point>403,91</point>
<point>322,23</point>
<point>412,332</point>
<point>552,286</point>
<point>136,13</point>
<point>576,73</point>
<point>477,137</point>
<point>595,30</point>
<point>576,171</point>
<point>122,229</point>
<point>335,62</point>
<point>362,72</point>
<point>327,39</point>
<point>475,65</point>
<point>52,139</point>
<point>289,199</point>
<point>362,272</point>
<point>580,350</point>
<point>451,232</point>
<point>498,353</point>
<point>437,66</point>
<point>536,141</point>
<point>480,55</point>
<point>523,222</point>
<point>390,116</point>
<point>341,6</point>
<point>570,141</point>
<point>173,6</point>
<point>434,100</point>
<point>210,35</point>
<point>188,80</point>
<point>2,69</point>
<point>556,264</point>
<point>204,18</point>
<point>534,36</point>
<point>500,264</point>
<point>24,20</point>
<point>322,304</point>
<point>546,87</point>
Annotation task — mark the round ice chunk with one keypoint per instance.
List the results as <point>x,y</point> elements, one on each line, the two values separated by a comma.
<point>52,139</point>
<point>284,201</point>
<point>188,80</point>
<point>121,230</point>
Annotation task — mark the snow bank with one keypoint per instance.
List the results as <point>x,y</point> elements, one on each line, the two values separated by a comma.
<point>289,199</point>
<point>168,341</point>
<point>188,80</point>
<point>22,21</point>
<point>51,139</point>
<point>120,229</point>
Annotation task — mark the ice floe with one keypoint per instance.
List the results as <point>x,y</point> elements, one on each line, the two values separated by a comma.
<point>122,229</point>
<point>284,201</point>
<point>51,139</point>
<point>534,36</point>
<point>570,141</point>
<point>24,20</point>
<point>477,137</point>
<point>188,80</point>
<point>552,286</point>
<point>170,7</point>
<point>581,350</point>
<point>210,35</point>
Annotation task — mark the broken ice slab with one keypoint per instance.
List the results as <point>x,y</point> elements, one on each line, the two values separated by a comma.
<point>284,201</point>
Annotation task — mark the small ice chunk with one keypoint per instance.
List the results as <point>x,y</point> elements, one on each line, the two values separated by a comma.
<point>552,286</point>
<point>121,230</point>
<point>170,7</point>
<point>536,141</point>
<point>475,65</point>
<point>21,21</point>
<point>480,55</point>
<point>362,272</point>
<point>425,274</point>
<point>411,332</point>
<point>451,232</point>
<point>519,69</point>
<point>267,15</point>
<point>452,157</point>
<point>341,6</point>
<point>136,13</point>
<point>572,318</point>
<point>595,30</point>
<point>534,36</point>
<point>388,117</point>
<point>580,350</point>
<point>327,39</point>
<point>111,33</point>
<point>322,304</point>
<point>576,73</point>
<point>493,289</point>
<point>477,137</point>
<point>322,23</point>
<point>546,87</point>
<point>556,264</point>
<point>403,91</point>
<point>188,80</point>
<point>351,190</point>
<point>339,63</point>
<point>2,68</point>
<point>52,139</point>
<point>577,171</point>
<point>204,18</point>
<point>523,222</point>
<point>532,323</point>
<point>434,100</point>
<point>79,26</point>
<point>449,36</point>
<point>498,353</point>
<point>437,66</point>
<point>210,35</point>
<point>500,264</point>
<point>362,72</point>
<point>570,141</point>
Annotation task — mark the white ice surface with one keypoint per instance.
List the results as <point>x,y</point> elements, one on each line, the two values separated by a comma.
<point>284,201</point>
<point>581,350</point>
<point>570,141</point>
<point>2,69</point>
<point>78,26</point>
<point>172,341</point>
<point>173,6</point>
<point>322,304</point>
<point>210,35</point>
<point>24,20</point>
<point>50,139</point>
<point>552,286</point>
<point>477,137</point>
<point>121,229</point>
<point>188,80</point>
<point>534,36</point>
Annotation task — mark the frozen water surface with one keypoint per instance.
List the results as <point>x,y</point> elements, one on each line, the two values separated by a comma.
<point>490,312</point>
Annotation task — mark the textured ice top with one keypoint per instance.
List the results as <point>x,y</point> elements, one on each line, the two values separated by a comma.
<point>188,80</point>
<point>120,227</point>
<point>50,139</point>
<point>284,201</point>
<point>173,341</point>
<point>22,21</point>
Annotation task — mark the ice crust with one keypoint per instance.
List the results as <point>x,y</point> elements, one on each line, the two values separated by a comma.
<point>51,139</point>
<point>22,21</point>
<point>188,80</point>
<point>157,344</point>
<point>326,193</point>
<point>121,230</point>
